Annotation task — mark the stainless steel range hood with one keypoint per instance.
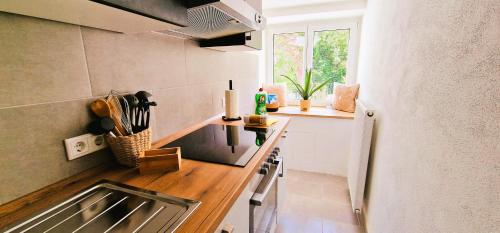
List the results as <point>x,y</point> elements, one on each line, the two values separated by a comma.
<point>209,19</point>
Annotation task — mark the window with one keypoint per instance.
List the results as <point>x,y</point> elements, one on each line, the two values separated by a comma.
<point>328,49</point>
<point>288,58</point>
<point>329,59</point>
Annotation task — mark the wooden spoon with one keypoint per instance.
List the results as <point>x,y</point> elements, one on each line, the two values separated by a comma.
<point>116,114</point>
<point>101,108</point>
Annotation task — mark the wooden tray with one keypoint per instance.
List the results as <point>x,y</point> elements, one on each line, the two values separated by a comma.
<point>160,160</point>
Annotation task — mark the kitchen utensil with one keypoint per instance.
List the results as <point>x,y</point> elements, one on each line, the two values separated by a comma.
<point>143,95</point>
<point>101,108</point>
<point>142,113</point>
<point>148,113</point>
<point>124,105</point>
<point>138,111</point>
<point>133,102</point>
<point>126,113</point>
<point>101,126</point>
<point>118,115</point>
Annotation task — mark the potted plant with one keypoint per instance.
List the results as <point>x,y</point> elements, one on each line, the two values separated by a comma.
<point>307,90</point>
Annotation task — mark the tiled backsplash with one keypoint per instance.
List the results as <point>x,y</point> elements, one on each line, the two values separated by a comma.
<point>50,71</point>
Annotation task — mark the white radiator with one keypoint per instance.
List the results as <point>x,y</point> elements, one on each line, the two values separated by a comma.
<point>360,152</point>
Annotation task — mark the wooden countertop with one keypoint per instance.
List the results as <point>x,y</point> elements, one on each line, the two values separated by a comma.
<point>322,112</point>
<point>217,186</point>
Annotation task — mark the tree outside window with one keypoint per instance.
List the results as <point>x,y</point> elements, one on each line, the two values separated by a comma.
<point>288,58</point>
<point>329,58</point>
<point>330,52</point>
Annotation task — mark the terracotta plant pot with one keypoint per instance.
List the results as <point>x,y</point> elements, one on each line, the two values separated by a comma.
<point>305,105</point>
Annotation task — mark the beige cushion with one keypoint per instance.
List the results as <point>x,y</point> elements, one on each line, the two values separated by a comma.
<point>279,90</point>
<point>345,97</point>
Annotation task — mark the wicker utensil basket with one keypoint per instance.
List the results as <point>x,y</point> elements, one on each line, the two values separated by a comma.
<point>128,148</point>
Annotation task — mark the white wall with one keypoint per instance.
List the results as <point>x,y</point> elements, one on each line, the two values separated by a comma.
<point>431,70</point>
<point>319,144</point>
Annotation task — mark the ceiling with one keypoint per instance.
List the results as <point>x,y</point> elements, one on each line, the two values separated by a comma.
<point>270,4</point>
<point>294,11</point>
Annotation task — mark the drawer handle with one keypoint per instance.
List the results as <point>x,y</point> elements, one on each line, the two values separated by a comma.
<point>258,198</point>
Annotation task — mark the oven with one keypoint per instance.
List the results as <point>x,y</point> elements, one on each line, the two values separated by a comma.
<point>264,202</point>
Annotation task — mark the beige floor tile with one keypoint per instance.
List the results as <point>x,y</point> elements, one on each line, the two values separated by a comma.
<point>298,223</point>
<point>335,227</point>
<point>317,203</point>
<point>305,189</point>
<point>310,177</point>
<point>338,213</point>
<point>313,177</point>
<point>336,193</point>
<point>308,206</point>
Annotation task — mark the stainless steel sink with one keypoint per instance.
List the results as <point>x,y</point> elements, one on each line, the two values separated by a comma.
<point>111,207</point>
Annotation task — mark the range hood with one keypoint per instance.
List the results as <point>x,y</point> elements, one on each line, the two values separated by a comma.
<point>209,19</point>
<point>246,41</point>
<point>211,22</point>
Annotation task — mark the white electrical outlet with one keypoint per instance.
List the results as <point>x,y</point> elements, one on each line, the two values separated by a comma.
<point>84,144</point>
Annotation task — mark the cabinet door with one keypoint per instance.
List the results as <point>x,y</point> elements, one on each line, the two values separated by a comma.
<point>238,217</point>
<point>319,145</point>
<point>282,180</point>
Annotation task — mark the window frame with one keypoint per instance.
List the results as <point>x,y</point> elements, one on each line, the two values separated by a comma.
<point>308,28</point>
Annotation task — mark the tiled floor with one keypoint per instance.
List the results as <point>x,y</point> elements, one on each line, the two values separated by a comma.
<point>317,203</point>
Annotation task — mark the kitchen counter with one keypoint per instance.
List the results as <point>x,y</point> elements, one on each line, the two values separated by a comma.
<point>217,186</point>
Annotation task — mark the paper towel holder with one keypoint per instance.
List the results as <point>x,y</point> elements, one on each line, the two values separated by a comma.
<point>225,118</point>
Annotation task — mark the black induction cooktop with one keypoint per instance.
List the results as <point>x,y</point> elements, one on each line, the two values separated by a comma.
<point>231,145</point>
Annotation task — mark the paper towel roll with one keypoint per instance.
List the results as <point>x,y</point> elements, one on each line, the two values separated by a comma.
<point>232,108</point>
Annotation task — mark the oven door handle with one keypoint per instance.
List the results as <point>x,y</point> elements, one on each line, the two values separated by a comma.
<point>258,198</point>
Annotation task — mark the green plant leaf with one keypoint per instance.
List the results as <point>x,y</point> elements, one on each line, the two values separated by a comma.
<point>320,86</point>
<point>297,85</point>
<point>307,82</point>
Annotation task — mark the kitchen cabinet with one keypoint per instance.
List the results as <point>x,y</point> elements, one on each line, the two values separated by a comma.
<point>223,201</point>
<point>282,144</point>
<point>96,15</point>
<point>319,144</point>
<point>238,216</point>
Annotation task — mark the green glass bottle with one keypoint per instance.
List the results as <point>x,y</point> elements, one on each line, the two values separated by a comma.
<point>260,102</point>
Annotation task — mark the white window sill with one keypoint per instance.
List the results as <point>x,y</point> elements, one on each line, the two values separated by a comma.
<point>321,112</point>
